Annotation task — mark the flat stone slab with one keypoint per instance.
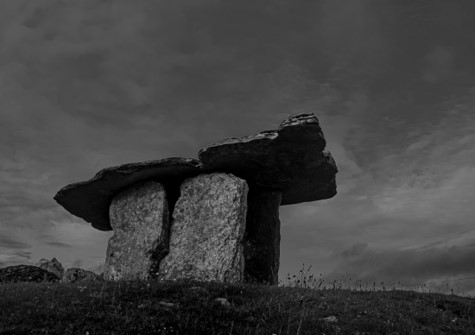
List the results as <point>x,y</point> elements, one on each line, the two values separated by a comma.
<point>90,199</point>
<point>207,231</point>
<point>290,159</point>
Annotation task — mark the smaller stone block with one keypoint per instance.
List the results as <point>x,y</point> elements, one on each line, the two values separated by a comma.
<point>207,230</point>
<point>139,218</point>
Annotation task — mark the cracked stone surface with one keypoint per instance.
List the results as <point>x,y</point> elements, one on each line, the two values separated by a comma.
<point>139,217</point>
<point>207,230</point>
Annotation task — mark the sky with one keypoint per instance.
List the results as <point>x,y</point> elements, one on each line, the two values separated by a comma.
<point>95,83</point>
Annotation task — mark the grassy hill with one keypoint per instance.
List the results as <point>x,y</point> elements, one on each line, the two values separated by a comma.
<point>189,307</point>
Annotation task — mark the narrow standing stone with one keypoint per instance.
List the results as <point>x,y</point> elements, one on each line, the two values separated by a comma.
<point>139,218</point>
<point>262,237</point>
<point>207,230</point>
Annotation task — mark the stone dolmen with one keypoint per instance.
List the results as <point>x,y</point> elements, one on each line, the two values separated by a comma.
<point>211,218</point>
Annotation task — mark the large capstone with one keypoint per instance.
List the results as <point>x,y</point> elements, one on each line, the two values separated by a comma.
<point>262,237</point>
<point>290,159</point>
<point>207,230</point>
<point>139,218</point>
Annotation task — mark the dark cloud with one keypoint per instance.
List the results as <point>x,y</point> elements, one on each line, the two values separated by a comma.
<point>15,257</point>
<point>59,244</point>
<point>8,242</point>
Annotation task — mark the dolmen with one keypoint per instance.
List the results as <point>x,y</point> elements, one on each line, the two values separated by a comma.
<point>215,218</point>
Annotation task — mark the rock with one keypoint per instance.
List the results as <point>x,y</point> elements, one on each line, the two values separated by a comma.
<point>73,275</point>
<point>262,237</point>
<point>223,302</point>
<point>139,217</point>
<point>166,304</point>
<point>199,291</point>
<point>207,230</point>
<point>290,159</point>
<point>90,199</point>
<point>26,273</point>
<point>53,266</point>
<point>330,319</point>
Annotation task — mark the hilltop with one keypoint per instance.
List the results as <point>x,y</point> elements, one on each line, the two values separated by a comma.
<point>187,307</point>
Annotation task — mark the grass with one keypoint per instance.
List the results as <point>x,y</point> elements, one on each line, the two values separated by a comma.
<point>306,306</point>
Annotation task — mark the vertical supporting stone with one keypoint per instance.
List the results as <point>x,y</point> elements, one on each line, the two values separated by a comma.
<point>262,237</point>
<point>207,230</point>
<point>139,218</point>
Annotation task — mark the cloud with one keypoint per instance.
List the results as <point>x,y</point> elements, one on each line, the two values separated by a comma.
<point>11,257</point>
<point>8,242</point>
<point>59,244</point>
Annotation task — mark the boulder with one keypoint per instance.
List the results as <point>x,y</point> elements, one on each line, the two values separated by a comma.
<point>207,230</point>
<point>91,199</point>
<point>290,159</point>
<point>139,217</point>
<point>26,273</point>
<point>73,275</point>
<point>262,237</point>
<point>53,266</point>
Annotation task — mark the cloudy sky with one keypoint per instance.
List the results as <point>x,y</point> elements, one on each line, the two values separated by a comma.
<point>94,83</point>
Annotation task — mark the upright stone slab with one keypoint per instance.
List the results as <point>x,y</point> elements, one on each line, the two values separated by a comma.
<point>207,230</point>
<point>262,237</point>
<point>139,218</point>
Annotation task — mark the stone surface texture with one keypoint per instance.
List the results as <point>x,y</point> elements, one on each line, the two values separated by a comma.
<point>290,159</point>
<point>73,275</point>
<point>91,199</point>
<point>207,230</point>
<point>140,219</point>
<point>26,273</point>
<point>53,266</point>
<point>262,237</point>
